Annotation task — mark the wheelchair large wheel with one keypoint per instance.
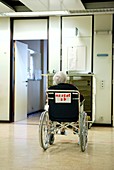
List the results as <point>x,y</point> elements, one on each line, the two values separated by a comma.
<point>83,131</point>
<point>44,131</point>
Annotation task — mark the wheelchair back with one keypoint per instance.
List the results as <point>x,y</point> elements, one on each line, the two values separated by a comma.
<point>64,105</point>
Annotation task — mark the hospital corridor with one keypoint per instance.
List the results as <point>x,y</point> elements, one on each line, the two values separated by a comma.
<point>57,85</point>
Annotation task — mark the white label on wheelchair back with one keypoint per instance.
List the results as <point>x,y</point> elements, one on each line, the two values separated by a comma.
<point>62,97</point>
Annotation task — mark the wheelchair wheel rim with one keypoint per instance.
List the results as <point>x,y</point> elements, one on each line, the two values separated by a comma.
<point>44,130</point>
<point>83,132</point>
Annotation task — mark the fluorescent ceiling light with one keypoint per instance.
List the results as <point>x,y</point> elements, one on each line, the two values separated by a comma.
<point>31,14</point>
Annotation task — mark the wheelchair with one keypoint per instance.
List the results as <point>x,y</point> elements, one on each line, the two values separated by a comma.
<point>64,111</point>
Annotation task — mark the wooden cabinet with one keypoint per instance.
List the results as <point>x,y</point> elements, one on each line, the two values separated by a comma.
<point>86,86</point>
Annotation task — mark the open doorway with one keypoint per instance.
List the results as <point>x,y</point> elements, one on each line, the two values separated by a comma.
<point>31,61</point>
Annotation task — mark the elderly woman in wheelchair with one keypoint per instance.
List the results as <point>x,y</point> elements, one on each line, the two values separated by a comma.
<point>64,110</point>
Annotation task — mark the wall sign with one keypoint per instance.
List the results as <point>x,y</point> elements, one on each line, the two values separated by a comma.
<point>102,55</point>
<point>76,56</point>
<point>62,97</point>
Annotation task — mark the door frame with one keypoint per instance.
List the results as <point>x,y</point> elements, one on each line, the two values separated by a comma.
<point>12,64</point>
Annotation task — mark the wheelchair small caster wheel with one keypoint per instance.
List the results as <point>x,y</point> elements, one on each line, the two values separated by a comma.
<point>51,139</point>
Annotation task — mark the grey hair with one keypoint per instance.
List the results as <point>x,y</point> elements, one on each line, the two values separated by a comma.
<point>59,77</point>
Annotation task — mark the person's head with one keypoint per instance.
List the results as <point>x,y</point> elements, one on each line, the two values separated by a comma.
<point>59,77</point>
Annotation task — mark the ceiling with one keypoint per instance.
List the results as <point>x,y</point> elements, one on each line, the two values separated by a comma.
<point>72,6</point>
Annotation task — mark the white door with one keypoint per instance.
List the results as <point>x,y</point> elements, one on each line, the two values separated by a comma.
<point>20,102</point>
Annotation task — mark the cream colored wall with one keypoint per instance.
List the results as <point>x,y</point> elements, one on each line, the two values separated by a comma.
<point>4,68</point>
<point>103,67</point>
<point>29,29</point>
<point>54,44</point>
<point>70,39</point>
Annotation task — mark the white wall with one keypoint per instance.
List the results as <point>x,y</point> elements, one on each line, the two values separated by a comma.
<point>54,44</point>
<point>103,67</point>
<point>84,38</point>
<point>29,29</point>
<point>4,68</point>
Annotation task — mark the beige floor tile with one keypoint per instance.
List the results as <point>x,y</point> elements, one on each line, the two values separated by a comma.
<point>20,149</point>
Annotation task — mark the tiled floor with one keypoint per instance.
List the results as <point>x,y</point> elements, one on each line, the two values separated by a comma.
<point>20,149</point>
